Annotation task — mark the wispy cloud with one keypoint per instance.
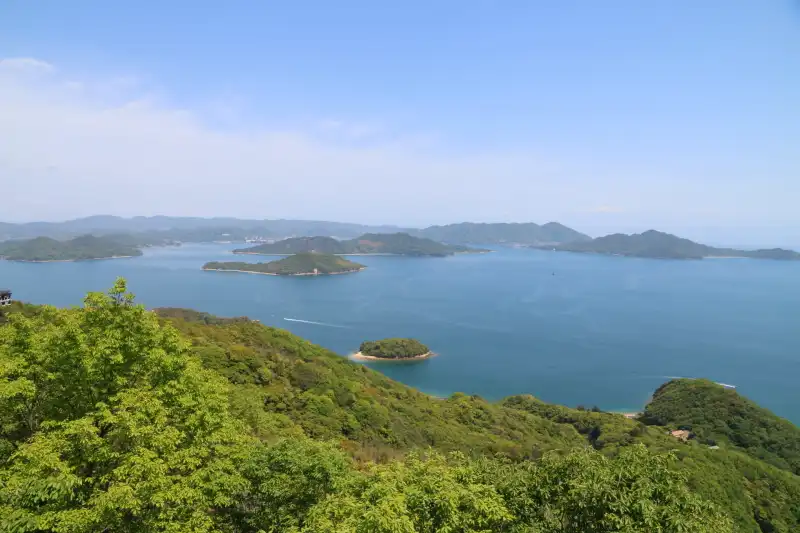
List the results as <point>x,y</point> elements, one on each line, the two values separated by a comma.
<point>72,147</point>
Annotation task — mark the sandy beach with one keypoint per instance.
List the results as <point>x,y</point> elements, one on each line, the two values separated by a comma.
<point>358,356</point>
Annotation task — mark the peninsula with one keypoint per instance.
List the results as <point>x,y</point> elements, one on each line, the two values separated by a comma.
<point>45,249</point>
<point>393,350</point>
<point>366,244</point>
<point>302,264</point>
<point>658,245</point>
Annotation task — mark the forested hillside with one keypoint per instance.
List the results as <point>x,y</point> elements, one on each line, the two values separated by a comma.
<point>113,418</point>
<point>716,414</point>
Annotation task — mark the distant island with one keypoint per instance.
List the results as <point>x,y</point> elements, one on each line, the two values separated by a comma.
<point>369,243</point>
<point>658,245</point>
<point>395,349</point>
<point>503,233</point>
<point>302,264</point>
<point>86,247</point>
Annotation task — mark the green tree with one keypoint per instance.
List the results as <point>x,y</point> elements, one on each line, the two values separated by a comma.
<point>110,425</point>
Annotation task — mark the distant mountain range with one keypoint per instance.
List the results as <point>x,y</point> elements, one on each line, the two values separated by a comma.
<point>157,229</point>
<point>369,243</point>
<point>659,245</point>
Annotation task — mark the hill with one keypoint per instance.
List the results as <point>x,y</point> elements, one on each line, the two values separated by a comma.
<point>716,414</point>
<point>79,248</point>
<point>659,245</point>
<point>503,233</point>
<point>303,264</point>
<point>368,243</point>
<point>191,422</point>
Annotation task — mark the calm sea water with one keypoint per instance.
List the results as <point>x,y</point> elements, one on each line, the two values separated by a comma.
<point>568,328</point>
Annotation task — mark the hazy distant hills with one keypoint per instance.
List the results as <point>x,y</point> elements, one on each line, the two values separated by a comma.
<point>194,229</point>
<point>369,243</point>
<point>659,245</point>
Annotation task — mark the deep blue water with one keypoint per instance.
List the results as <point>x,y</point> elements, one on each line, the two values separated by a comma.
<point>568,328</point>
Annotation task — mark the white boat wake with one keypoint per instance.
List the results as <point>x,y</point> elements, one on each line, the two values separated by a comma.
<point>314,323</point>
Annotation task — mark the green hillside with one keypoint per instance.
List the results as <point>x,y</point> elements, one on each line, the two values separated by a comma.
<point>79,248</point>
<point>295,265</point>
<point>113,419</point>
<point>368,243</point>
<point>721,415</point>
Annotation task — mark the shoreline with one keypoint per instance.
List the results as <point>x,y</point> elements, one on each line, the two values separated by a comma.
<point>358,356</point>
<point>286,275</point>
<point>71,260</point>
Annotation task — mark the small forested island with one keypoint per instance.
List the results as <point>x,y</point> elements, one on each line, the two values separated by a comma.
<point>659,245</point>
<point>302,264</point>
<point>367,244</point>
<point>395,349</point>
<point>45,249</point>
<point>503,233</point>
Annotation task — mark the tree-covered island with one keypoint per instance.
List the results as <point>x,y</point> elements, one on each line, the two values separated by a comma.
<point>395,349</point>
<point>43,249</point>
<point>303,264</point>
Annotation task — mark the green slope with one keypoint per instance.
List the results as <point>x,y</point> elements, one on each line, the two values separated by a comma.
<point>114,419</point>
<point>721,415</point>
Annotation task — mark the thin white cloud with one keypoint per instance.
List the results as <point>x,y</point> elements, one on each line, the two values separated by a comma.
<point>66,150</point>
<point>26,64</point>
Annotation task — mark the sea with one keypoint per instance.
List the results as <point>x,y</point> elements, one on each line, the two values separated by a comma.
<point>571,329</point>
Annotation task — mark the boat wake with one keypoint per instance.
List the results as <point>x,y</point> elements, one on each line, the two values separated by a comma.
<point>314,323</point>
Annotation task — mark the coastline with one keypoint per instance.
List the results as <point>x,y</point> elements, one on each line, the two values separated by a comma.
<point>358,356</point>
<point>71,260</point>
<point>277,274</point>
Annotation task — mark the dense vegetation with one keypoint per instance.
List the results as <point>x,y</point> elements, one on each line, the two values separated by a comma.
<point>503,233</point>
<point>716,414</point>
<point>112,419</point>
<point>79,248</point>
<point>369,243</point>
<point>394,348</point>
<point>659,245</point>
<point>294,265</point>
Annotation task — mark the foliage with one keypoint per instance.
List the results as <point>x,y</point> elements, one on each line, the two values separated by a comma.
<point>394,348</point>
<point>659,245</point>
<point>294,265</point>
<point>109,423</point>
<point>79,248</point>
<point>721,414</point>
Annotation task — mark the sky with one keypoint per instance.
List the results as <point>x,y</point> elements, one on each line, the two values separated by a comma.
<point>682,116</point>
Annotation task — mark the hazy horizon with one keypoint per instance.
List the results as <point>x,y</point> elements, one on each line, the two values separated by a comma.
<point>680,117</point>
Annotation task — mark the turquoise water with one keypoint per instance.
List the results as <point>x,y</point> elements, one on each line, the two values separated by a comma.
<point>568,328</point>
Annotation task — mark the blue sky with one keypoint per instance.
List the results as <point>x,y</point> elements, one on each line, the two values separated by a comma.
<point>606,116</point>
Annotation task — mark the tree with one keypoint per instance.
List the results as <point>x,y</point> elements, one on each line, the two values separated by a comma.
<point>110,425</point>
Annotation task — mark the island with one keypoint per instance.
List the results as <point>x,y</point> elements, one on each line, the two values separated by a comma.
<point>659,245</point>
<point>503,233</point>
<point>366,244</point>
<point>395,349</point>
<point>86,247</point>
<point>302,264</point>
